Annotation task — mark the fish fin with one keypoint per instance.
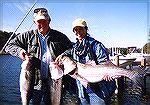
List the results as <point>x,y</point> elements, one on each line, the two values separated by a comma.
<point>138,77</point>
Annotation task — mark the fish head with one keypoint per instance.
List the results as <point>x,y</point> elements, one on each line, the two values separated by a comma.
<point>26,64</point>
<point>69,64</point>
<point>55,70</point>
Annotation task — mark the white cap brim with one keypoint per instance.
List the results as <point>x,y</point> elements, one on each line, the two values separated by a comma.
<point>79,22</point>
<point>40,17</point>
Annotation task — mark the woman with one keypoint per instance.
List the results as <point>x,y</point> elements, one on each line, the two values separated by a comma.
<point>86,49</point>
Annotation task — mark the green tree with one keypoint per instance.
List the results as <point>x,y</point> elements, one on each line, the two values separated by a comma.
<point>4,36</point>
<point>146,48</point>
<point>124,51</point>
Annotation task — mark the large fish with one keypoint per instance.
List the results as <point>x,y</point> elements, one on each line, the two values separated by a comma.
<point>27,81</point>
<point>27,77</point>
<point>94,73</point>
<point>56,74</point>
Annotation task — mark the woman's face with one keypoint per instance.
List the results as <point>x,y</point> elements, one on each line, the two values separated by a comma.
<point>80,32</point>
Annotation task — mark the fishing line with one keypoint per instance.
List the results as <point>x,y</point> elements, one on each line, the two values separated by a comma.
<point>17,27</point>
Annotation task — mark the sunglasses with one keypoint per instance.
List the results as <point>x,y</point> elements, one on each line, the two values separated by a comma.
<point>43,10</point>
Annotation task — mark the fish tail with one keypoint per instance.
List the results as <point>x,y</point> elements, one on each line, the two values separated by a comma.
<point>137,76</point>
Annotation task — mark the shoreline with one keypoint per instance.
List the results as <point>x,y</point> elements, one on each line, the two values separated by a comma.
<point>3,53</point>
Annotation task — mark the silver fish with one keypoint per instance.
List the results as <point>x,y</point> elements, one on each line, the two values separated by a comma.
<point>26,81</point>
<point>56,74</point>
<point>95,73</point>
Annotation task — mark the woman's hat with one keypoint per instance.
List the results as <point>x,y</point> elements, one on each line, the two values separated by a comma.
<point>79,22</point>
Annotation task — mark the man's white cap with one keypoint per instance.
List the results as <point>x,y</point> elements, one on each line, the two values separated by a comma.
<point>79,22</point>
<point>40,13</point>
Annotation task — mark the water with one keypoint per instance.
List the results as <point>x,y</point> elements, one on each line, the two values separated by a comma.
<point>9,80</point>
<point>9,85</point>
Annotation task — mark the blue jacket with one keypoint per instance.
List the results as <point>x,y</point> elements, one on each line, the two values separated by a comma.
<point>90,49</point>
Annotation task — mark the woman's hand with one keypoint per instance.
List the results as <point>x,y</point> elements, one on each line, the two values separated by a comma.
<point>107,78</point>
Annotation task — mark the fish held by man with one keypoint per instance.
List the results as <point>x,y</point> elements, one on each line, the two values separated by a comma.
<point>27,78</point>
<point>95,73</point>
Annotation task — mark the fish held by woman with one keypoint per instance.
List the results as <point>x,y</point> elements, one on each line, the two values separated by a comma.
<point>95,73</point>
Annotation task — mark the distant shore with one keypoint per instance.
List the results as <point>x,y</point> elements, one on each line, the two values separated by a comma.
<point>3,53</point>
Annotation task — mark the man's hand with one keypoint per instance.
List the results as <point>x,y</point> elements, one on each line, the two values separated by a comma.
<point>23,54</point>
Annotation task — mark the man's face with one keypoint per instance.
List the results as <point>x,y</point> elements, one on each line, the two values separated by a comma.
<point>42,26</point>
<point>41,20</point>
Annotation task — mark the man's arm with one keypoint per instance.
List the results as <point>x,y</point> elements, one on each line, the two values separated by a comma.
<point>17,46</point>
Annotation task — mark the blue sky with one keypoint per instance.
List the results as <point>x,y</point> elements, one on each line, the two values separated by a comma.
<point>113,22</point>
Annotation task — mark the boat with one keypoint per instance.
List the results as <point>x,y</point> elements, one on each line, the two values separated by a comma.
<point>140,57</point>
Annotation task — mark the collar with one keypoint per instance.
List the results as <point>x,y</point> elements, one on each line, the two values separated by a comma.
<point>44,36</point>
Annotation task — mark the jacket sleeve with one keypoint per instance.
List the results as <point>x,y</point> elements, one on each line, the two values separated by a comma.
<point>100,52</point>
<point>16,44</point>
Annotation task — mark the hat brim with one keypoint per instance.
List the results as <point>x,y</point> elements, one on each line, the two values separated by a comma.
<point>78,25</point>
<point>40,18</point>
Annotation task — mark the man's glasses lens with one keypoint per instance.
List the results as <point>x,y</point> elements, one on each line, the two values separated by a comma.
<point>40,9</point>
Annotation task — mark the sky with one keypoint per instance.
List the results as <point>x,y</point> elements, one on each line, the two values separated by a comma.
<point>115,23</point>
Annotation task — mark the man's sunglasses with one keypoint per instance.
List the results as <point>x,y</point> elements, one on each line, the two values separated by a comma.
<point>43,10</point>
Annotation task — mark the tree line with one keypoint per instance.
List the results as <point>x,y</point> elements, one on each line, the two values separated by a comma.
<point>4,36</point>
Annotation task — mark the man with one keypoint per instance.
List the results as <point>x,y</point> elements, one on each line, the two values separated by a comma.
<point>86,49</point>
<point>44,45</point>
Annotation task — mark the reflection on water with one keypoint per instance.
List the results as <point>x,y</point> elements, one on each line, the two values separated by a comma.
<point>9,85</point>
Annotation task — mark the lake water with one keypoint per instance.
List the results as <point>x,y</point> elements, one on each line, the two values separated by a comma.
<point>9,80</point>
<point>9,85</point>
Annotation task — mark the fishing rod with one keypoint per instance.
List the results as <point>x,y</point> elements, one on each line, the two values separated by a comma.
<point>17,27</point>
